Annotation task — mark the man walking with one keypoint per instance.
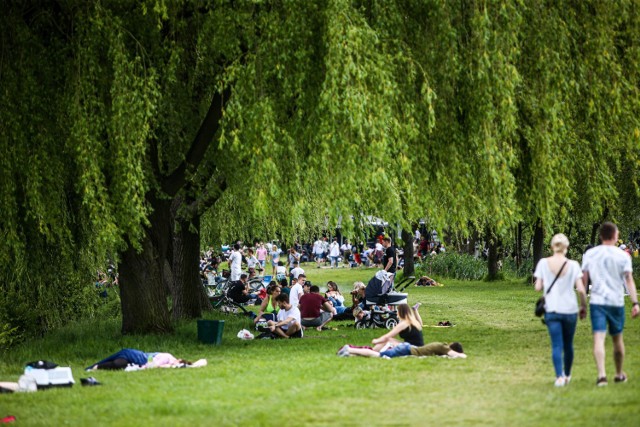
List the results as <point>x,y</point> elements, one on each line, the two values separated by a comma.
<point>609,269</point>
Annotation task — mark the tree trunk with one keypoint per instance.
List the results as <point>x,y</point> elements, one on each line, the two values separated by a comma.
<point>473,239</point>
<point>538,244</point>
<point>594,233</point>
<point>187,292</point>
<point>142,277</point>
<point>492,260</point>
<point>409,266</point>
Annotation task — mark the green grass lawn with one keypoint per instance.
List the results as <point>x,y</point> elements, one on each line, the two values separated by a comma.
<point>506,381</point>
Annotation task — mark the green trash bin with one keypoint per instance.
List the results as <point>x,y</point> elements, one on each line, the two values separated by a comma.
<point>210,331</point>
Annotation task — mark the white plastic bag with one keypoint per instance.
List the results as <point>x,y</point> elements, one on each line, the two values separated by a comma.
<point>245,335</point>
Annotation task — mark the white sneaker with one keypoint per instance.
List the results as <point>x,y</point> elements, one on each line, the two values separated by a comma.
<point>567,380</point>
<point>344,351</point>
<point>560,382</point>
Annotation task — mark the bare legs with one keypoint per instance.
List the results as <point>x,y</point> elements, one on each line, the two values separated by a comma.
<point>599,353</point>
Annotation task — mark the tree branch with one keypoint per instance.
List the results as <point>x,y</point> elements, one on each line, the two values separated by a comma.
<point>177,180</point>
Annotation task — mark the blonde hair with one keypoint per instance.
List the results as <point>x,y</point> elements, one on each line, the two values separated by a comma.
<point>358,285</point>
<point>407,313</point>
<point>559,243</point>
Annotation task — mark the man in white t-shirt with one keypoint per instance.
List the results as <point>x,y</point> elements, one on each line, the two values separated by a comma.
<point>296,271</point>
<point>235,263</point>
<point>334,252</point>
<point>609,269</point>
<point>297,291</point>
<point>346,252</point>
<point>288,322</point>
<point>318,251</point>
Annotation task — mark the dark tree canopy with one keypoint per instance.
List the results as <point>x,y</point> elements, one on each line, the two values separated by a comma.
<point>133,130</point>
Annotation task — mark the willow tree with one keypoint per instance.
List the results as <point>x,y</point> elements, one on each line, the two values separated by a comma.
<point>578,115</point>
<point>169,109</point>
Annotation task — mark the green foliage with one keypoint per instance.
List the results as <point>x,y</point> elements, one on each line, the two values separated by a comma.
<point>475,115</point>
<point>453,265</point>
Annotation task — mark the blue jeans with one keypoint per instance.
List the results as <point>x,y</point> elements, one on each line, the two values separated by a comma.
<point>402,349</point>
<point>562,328</point>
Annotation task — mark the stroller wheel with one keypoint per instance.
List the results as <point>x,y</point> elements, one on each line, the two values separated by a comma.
<point>391,323</point>
<point>361,324</point>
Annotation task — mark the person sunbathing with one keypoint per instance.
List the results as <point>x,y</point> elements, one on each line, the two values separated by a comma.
<point>453,350</point>
<point>136,358</point>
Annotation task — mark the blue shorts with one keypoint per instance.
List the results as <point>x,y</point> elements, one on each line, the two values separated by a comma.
<point>601,315</point>
<point>402,349</point>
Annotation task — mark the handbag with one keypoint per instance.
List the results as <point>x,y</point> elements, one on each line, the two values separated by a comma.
<point>539,310</point>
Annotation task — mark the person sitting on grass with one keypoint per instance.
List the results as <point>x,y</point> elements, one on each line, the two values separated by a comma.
<point>316,310</point>
<point>239,290</point>
<point>269,307</point>
<point>358,296</point>
<point>335,297</point>
<point>288,323</point>
<point>281,271</point>
<point>409,328</point>
<point>453,351</point>
<point>142,360</point>
<point>295,272</point>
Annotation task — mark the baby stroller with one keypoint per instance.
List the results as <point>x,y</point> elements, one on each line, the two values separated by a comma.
<point>381,302</point>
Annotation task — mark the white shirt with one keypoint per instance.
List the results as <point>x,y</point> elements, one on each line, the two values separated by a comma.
<point>607,266</point>
<point>295,272</point>
<point>345,247</point>
<point>379,247</point>
<point>295,294</point>
<point>334,249</point>
<point>562,298</point>
<point>235,261</point>
<point>252,262</point>
<point>318,247</point>
<point>293,312</point>
<point>281,269</point>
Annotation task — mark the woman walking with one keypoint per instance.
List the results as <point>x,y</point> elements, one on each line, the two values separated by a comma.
<point>557,276</point>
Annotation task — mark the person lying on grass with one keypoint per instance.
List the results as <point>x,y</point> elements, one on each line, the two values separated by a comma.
<point>453,351</point>
<point>130,356</point>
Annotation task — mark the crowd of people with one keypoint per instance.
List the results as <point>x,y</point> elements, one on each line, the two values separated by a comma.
<point>292,304</point>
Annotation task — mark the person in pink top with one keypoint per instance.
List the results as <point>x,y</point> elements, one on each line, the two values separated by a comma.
<point>261,254</point>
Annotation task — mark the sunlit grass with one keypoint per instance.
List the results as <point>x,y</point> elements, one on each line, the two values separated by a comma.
<point>506,381</point>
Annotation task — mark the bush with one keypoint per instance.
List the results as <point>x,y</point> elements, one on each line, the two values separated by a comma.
<point>453,265</point>
<point>635,262</point>
<point>510,269</point>
<point>467,267</point>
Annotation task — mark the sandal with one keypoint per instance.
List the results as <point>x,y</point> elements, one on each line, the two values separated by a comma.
<point>89,381</point>
<point>602,381</point>
<point>621,379</point>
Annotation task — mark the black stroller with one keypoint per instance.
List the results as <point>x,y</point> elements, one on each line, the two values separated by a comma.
<point>381,301</point>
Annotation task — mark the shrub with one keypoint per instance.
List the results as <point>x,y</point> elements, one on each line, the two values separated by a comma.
<point>453,265</point>
<point>467,267</point>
